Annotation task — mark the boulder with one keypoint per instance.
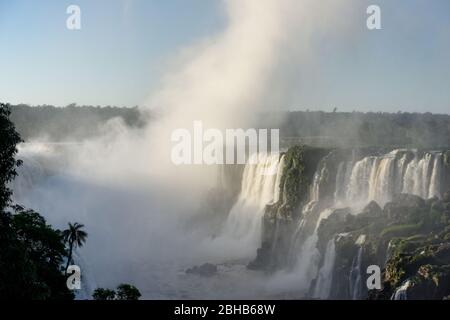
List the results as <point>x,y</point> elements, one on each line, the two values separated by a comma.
<point>372,210</point>
<point>405,208</point>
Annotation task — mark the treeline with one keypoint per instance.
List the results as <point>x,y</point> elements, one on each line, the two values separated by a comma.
<point>402,129</point>
<point>415,130</point>
<point>70,123</point>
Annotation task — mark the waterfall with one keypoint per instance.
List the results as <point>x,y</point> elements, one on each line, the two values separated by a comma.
<point>340,181</point>
<point>381,187</point>
<point>418,176</point>
<point>314,190</point>
<point>277,188</point>
<point>436,177</point>
<point>243,226</point>
<point>358,181</point>
<point>378,178</point>
<point>314,194</point>
<point>401,292</point>
<point>355,273</point>
<point>373,178</point>
<point>400,172</point>
<point>358,188</point>
<point>309,256</point>
<point>325,277</point>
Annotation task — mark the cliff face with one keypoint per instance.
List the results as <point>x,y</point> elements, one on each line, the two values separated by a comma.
<point>279,221</point>
<point>341,211</point>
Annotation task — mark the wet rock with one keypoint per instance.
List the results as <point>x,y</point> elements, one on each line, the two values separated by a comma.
<point>404,208</point>
<point>372,210</point>
<point>431,283</point>
<point>263,258</point>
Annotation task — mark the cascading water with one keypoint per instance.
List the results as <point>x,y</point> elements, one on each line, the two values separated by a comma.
<point>355,273</point>
<point>379,178</point>
<point>260,187</point>
<point>422,175</point>
<point>401,292</point>
<point>372,178</point>
<point>309,256</point>
<point>357,182</point>
<point>325,277</point>
<point>436,177</point>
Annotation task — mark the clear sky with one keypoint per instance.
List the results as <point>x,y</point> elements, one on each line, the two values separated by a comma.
<point>119,55</point>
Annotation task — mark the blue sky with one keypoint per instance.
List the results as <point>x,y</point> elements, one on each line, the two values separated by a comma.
<point>116,57</point>
<point>119,55</point>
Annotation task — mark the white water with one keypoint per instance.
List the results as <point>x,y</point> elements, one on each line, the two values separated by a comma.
<point>401,292</point>
<point>64,198</point>
<point>241,235</point>
<point>325,277</point>
<point>134,239</point>
<point>422,176</point>
<point>379,178</point>
<point>436,177</point>
<point>355,273</point>
<point>372,178</point>
<point>309,256</point>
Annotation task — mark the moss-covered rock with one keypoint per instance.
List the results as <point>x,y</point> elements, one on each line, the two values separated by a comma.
<point>430,283</point>
<point>280,218</point>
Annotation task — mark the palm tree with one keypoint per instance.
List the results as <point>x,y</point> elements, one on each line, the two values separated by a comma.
<point>75,237</point>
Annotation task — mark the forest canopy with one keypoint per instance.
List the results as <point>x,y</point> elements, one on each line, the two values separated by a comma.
<point>400,129</point>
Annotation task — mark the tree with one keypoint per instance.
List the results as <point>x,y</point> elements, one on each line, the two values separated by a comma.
<point>127,292</point>
<point>75,237</point>
<point>9,138</point>
<point>31,251</point>
<point>31,258</point>
<point>104,294</point>
<point>124,291</point>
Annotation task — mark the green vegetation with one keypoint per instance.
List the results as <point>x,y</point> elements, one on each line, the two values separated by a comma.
<point>123,292</point>
<point>31,251</point>
<point>70,123</point>
<point>104,294</point>
<point>358,129</point>
<point>292,177</point>
<point>9,138</point>
<point>318,128</point>
<point>401,230</point>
